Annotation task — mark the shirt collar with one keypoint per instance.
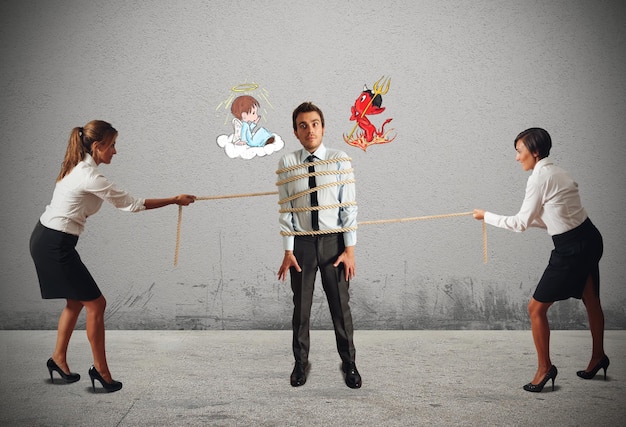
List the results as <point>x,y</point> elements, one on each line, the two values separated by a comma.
<point>541,163</point>
<point>89,160</point>
<point>320,153</point>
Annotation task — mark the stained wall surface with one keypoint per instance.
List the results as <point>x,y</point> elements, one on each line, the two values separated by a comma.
<point>466,78</point>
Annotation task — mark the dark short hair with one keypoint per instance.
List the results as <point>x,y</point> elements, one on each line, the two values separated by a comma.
<point>536,140</point>
<point>306,107</point>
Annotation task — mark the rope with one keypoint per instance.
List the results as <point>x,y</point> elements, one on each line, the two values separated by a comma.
<point>380,221</point>
<point>316,173</point>
<point>318,232</point>
<point>232,196</point>
<point>317,208</point>
<point>315,163</point>
<point>484,242</point>
<point>416,218</point>
<point>180,220</point>
<point>311,190</point>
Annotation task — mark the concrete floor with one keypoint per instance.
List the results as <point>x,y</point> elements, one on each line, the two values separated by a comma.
<point>241,378</point>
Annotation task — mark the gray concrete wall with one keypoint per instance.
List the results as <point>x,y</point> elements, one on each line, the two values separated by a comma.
<point>466,77</point>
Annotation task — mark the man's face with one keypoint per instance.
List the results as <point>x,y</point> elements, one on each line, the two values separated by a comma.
<point>309,130</point>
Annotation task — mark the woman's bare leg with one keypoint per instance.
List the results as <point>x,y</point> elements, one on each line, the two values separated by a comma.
<point>66,325</point>
<point>596,323</point>
<point>538,312</point>
<point>95,334</point>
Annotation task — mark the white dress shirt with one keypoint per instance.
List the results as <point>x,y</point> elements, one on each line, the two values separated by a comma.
<point>80,194</point>
<point>552,202</point>
<point>329,219</point>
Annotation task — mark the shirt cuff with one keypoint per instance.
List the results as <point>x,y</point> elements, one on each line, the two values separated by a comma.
<point>349,238</point>
<point>492,219</point>
<point>288,243</point>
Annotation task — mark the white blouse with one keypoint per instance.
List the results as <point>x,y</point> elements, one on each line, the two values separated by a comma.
<point>80,194</point>
<point>552,202</point>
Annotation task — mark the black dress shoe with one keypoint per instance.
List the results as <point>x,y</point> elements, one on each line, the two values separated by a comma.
<point>299,373</point>
<point>351,375</point>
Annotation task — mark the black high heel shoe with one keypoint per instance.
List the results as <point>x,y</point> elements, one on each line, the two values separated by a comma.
<point>69,378</point>
<point>602,364</point>
<point>110,387</point>
<point>536,388</point>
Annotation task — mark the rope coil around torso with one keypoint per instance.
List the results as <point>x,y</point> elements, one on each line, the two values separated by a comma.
<point>317,208</point>
<point>315,163</point>
<point>311,190</point>
<point>316,173</point>
<point>303,193</point>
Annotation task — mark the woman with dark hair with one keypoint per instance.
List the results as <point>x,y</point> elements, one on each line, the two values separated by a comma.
<point>79,192</point>
<point>552,202</point>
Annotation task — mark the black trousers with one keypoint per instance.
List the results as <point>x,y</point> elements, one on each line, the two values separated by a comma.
<point>313,253</point>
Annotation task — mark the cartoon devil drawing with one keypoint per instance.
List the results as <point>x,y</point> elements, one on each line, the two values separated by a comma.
<point>369,103</point>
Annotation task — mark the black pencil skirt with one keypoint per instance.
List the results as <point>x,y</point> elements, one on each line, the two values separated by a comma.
<point>60,270</point>
<point>575,257</point>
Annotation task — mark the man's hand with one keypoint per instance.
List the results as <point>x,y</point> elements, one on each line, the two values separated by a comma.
<point>347,258</point>
<point>289,260</point>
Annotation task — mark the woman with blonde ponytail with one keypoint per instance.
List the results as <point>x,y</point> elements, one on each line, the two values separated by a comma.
<point>79,193</point>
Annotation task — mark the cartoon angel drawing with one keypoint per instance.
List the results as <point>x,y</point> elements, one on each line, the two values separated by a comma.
<point>248,139</point>
<point>245,108</point>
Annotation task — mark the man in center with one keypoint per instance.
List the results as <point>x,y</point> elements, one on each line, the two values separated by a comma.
<point>312,206</point>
